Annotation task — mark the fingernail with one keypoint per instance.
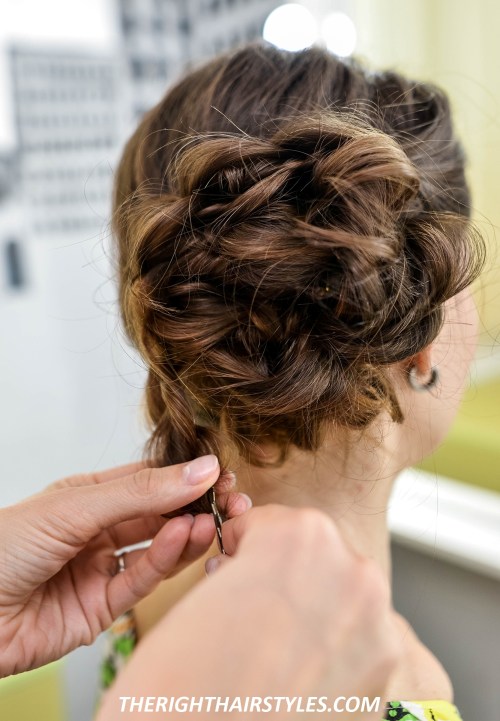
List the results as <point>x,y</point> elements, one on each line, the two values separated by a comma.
<point>197,470</point>
<point>190,516</point>
<point>247,499</point>
<point>211,565</point>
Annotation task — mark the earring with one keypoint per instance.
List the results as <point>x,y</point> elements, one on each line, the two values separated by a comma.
<point>412,379</point>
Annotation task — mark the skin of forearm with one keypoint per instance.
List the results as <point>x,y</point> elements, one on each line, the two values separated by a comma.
<point>293,614</point>
<point>213,652</point>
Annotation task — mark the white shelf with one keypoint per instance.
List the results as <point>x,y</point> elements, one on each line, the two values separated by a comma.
<point>447,519</point>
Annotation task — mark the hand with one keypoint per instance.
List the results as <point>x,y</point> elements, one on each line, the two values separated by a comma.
<point>58,583</point>
<point>332,603</point>
<point>294,612</point>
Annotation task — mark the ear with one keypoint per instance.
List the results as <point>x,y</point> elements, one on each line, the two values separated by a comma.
<point>422,361</point>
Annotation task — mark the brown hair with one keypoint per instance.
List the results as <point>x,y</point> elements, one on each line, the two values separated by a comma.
<point>288,225</point>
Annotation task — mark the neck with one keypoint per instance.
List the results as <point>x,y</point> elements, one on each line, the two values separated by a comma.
<point>352,486</point>
<point>351,479</point>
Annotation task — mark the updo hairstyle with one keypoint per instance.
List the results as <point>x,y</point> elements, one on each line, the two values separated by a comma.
<point>288,226</point>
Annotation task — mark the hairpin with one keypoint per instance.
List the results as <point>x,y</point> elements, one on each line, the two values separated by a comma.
<point>217,519</point>
<point>323,290</point>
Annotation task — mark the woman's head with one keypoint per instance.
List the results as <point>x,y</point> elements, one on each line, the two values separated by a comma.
<point>290,227</point>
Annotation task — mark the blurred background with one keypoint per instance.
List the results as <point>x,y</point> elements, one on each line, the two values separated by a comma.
<point>75,77</point>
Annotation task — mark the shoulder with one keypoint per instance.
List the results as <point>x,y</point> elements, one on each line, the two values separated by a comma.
<point>150,610</point>
<point>420,674</point>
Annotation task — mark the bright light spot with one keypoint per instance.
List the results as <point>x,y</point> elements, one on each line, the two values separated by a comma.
<point>339,33</point>
<point>291,27</point>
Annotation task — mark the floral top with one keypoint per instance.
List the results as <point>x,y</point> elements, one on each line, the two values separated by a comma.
<point>122,639</point>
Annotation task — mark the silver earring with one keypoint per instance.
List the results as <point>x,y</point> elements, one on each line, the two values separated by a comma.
<point>416,385</point>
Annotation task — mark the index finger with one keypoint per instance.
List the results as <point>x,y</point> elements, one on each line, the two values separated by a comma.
<point>141,529</point>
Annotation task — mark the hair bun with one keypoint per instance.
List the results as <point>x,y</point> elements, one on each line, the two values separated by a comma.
<point>333,172</point>
<point>298,213</point>
<point>271,285</point>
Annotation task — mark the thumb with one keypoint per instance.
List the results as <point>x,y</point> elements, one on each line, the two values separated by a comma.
<point>77,514</point>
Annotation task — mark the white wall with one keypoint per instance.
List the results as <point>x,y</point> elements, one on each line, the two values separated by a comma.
<point>70,388</point>
<point>456,613</point>
<point>70,393</point>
